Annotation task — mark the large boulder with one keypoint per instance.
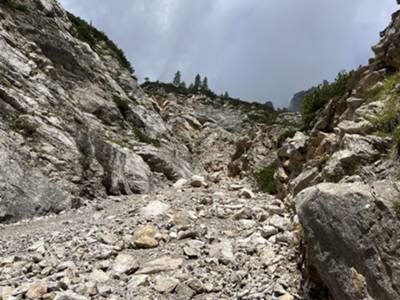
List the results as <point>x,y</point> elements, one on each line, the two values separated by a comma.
<point>26,191</point>
<point>351,233</point>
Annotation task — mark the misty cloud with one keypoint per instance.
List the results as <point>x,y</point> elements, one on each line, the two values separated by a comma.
<point>257,50</point>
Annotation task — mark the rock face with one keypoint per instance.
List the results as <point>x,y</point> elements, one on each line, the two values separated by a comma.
<point>76,126</point>
<point>297,101</point>
<point>342,177</point>
<point>352,234</point>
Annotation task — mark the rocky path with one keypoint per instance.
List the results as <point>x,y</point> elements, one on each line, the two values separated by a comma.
<point>215,242</point>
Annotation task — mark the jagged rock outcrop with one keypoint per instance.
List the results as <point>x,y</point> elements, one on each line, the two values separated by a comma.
<point>342,177</point>
<point>72,110</point>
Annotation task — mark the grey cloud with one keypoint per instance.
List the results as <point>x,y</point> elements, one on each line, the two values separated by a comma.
<point>255,49</point>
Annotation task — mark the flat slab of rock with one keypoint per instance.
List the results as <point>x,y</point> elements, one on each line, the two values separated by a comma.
<point>165,263</point>
<point>154,208</point>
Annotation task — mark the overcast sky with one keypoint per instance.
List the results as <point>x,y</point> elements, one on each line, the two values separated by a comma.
<point>254,49</point>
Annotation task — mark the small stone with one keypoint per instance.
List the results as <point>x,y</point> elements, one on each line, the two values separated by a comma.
<point>208,200</point>
<point>70,265</point>
<point>38,247</point>
<point>70,296</point>
<point>246,193</point>
<point>108,238</point>
<point>244,213</point>
<point>196,285</point>
<point>268,231</point>
<point>37,290</point>
<point>223,252</point>
<point>99,276</point>
<point>125,264</point>
<point>191,252</point>
<point>144,237</point>
<point>279,222</point>
<point>180,183</point>
<point>138,280</point>
<point>197,181</point>
<point>286,297</point>
<point>188,234</point>
<point>166,284</point>
<point>235,187</point>
<point>154,208</point>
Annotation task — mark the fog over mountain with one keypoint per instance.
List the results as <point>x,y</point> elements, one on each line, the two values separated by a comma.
<point>257,50</point>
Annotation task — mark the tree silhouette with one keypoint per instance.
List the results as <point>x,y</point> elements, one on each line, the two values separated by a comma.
<point>177,79</point>
<point>204,85</point>
<point>197,82</point>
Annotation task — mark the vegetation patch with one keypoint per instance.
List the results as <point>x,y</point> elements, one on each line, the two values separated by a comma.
<point>379,92</point>
<point>257,112</point>
<point>119,142</point>
<point>389,118</point>
<point>265,179</point>
<point>146,139</point>
<point>121,103</point>
<point>396,136</point>
<point>50,14</point>
<point>15,6</point>
<point>86,32</point>
<point>322,94</point>
<point>396,207</point>
<point>289,133</point>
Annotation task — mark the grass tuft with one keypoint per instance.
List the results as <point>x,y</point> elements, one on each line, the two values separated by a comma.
<point>265,179</point>
<point>145,139</point>
<point>396,207</point>
<point>289,133</point>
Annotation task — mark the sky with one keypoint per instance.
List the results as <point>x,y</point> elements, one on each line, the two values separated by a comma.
<point>258,50</point>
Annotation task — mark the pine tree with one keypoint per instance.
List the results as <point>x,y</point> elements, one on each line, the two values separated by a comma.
<point>146,79</point>
<point>204,85</point>
<point>226,95</point>
<point>177,78</point>
<point>183,85</point>
<point>197,83</point>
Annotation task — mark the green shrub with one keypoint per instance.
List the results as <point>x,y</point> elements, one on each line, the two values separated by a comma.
<point>145,139</point>
<point>91,35</point>
<point>289,133</point>
<point>264,117</point>
<point>122,104</point>
<point>320,96</point>
<point>50,14</point>
<point>382,134</point>
<point>11,4</point>
<point>396,136</point>
<point>378,92</point>
<point>396,207</point>
<point>265,179</point>
<point>387,118</point>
